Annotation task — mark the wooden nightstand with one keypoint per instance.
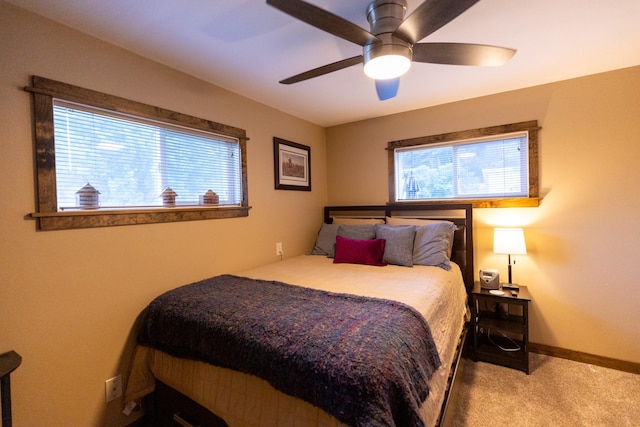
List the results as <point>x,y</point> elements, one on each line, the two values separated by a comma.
<point>500,327</point>
<point>9,362</point>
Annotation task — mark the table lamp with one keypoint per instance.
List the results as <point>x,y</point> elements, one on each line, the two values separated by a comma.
<point>509,241</point>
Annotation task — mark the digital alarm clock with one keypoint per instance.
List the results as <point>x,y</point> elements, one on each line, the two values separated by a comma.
<point>489,279</point>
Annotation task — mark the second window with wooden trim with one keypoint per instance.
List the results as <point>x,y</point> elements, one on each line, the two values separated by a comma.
<point>495,166</point>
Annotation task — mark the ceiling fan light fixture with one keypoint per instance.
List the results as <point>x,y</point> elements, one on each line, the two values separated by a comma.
<point>387,60</point>
<point>386,67</point>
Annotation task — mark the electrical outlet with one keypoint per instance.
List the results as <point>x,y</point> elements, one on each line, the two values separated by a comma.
<point>113,388</point>
<point>279,249</point>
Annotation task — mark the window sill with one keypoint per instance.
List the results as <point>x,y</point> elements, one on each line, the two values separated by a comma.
<point>523,202</point>
<point>91,218</point>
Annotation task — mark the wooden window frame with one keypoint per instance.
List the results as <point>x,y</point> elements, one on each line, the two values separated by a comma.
<point>48,217</point>
<point>534,189</point>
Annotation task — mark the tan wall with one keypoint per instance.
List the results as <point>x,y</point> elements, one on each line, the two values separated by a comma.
<point>68,299</point>
<point>583,238</point>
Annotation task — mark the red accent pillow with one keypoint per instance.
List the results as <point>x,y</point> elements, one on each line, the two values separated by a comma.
<point>352,251</point>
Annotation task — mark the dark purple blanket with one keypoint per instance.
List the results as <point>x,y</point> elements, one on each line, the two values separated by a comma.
<point>366,361</point>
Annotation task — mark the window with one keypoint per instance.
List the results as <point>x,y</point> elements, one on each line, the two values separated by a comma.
<point>491,167</point>
<point>141,164</point>
<point>131,162</point>
<point>496,167</point>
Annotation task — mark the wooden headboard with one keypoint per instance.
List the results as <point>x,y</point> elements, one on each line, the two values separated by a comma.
<point>459,214</point>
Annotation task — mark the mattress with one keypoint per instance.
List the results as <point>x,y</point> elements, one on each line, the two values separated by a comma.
<point>245,400</point>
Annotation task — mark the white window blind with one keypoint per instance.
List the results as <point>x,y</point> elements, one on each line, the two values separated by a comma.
<point>132,160</point>
<point>492,167</point>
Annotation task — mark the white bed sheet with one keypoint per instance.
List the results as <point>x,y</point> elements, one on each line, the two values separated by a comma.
<point>244,400</point>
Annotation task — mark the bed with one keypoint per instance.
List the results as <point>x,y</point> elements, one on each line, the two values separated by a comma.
<point>373,335</point>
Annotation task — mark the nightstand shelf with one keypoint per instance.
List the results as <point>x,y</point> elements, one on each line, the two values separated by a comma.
<point>498,337</point>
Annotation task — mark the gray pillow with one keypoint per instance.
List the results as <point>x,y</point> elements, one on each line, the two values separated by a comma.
<point>398,248</point>
<point>326,241</point>
<point>431,245</point>
<point>357,232</point>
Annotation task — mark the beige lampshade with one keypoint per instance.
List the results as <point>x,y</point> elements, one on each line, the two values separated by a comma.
<point>509,241</point>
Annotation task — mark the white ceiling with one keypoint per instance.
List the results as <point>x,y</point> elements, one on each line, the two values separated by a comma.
<point>247,46</point>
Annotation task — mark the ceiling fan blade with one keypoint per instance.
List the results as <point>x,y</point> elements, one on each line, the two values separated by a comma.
<point>430,16</point>
<point>324,20</point>
<point>462,54</point>
<point>387,89</point>
<point>325,69</point>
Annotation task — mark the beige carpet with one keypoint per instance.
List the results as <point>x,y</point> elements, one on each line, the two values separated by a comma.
<point>558,392</point>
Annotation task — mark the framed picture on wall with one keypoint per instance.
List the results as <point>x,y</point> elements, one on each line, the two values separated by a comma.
<point>292,165</point>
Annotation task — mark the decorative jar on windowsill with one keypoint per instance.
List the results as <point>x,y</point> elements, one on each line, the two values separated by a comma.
<point>209,198</point>
<point>169,197</point>
<point>88,197</point>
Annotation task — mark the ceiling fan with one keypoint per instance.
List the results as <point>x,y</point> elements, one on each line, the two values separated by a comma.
<point>392,42</point>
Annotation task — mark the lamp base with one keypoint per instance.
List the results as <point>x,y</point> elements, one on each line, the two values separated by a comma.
<point>512,286</point>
